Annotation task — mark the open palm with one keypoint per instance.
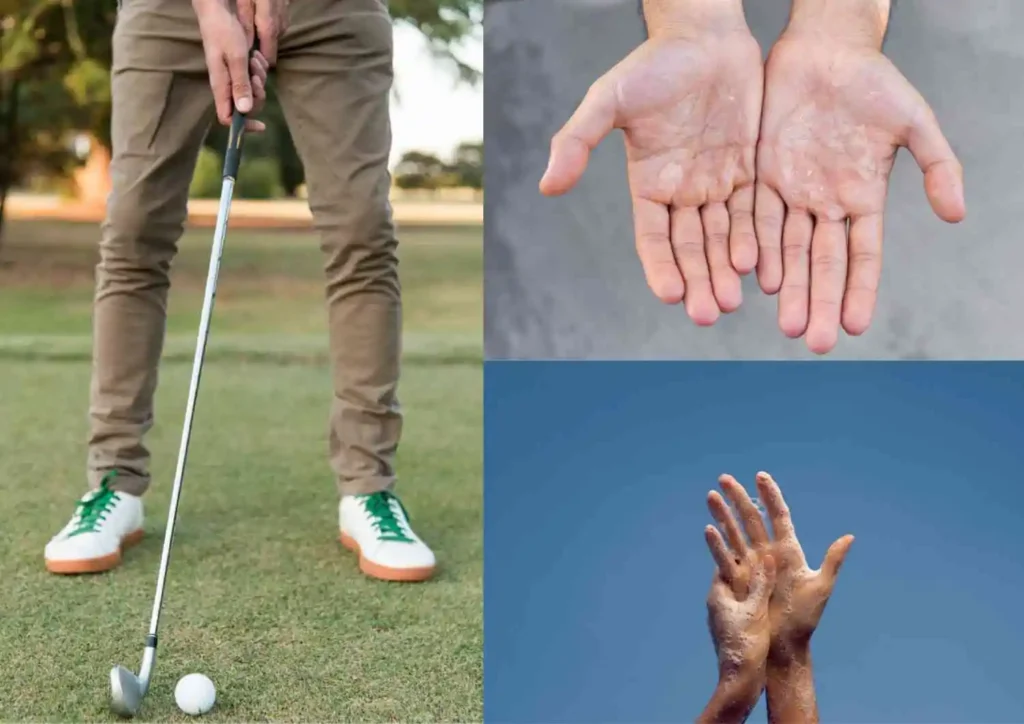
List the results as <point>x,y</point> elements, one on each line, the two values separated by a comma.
<point>739,612</point>
<point>690,111</point>
<point>834,118</point>
<point>801,593</point>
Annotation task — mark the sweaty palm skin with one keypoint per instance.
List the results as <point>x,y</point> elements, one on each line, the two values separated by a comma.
<point>774,644</point>
<point>690,109</point>
<point>738,606</point>
<point>835,114</point>
<point>800,593</point>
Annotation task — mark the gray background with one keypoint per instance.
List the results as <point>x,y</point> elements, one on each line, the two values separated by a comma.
<point>562,277</point>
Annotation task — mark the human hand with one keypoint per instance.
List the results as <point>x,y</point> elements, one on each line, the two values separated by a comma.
<point>738,602</point>
<point>238,79</point>
<point>800,593</point>
<point>836,111</point>
<point>266,20</point>
<point>689,103</point>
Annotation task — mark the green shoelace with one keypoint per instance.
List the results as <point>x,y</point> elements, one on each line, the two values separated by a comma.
<point>92,510</point>
<point>378,505</point>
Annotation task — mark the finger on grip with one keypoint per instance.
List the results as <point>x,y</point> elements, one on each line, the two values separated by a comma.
<point>220,83</point>
<point>571,146</point>
<point>267,32</point>
<point>246,12</point>
<point>241,82</point>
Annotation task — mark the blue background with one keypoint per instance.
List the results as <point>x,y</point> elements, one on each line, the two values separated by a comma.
<point>597,571</point>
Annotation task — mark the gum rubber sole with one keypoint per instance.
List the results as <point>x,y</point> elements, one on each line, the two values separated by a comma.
<point>375,570</point>
<point>95,565</point>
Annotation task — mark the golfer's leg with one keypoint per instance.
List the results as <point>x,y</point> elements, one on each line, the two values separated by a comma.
<point>335,83</point>
<point>159,119</point>
<point>161,108</point>
<point>335,93</point>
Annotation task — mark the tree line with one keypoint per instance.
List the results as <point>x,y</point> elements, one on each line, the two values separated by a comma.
<point>55,59</point>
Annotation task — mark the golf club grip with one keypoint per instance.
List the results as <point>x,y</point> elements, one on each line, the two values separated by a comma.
<point>233,153</point>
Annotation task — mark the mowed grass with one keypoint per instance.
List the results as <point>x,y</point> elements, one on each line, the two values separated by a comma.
<point>261,597</point>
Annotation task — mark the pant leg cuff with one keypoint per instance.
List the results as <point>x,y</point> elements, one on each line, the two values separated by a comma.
<point>365,486</point>
<point>124,482</point>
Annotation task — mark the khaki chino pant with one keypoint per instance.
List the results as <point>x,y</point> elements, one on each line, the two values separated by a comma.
<point>334,79</point>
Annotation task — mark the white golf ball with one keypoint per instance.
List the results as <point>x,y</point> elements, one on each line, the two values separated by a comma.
<point>195,694</point>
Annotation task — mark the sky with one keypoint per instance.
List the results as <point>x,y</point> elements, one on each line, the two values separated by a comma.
<point>596,570</point>
<point>432,111</point>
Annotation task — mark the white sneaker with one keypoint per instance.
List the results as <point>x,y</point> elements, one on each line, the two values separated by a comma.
<point>377,528</point>
<point>105,522</point>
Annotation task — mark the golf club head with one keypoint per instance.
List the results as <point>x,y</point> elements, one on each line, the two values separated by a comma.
<point>126,692</point>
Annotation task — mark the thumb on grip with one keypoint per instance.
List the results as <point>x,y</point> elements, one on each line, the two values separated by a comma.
<point>233,153</point>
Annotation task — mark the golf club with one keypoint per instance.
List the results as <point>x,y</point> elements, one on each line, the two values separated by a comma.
<point>126,689</point>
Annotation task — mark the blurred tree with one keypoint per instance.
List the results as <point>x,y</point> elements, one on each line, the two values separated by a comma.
<point>468,165</point>
<point>444,23</point>
<point>65,47</point>
<point>419,170</point>
<point>55,58</point>
<point>9,92</point>
<point>54,80</point>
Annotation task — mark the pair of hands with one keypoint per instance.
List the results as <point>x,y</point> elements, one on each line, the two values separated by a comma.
<point>238,79</point>
<point>764,604</point>
<point>783,167</point>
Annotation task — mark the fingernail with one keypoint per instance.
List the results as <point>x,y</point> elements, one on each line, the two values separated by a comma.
<point>244,105</point>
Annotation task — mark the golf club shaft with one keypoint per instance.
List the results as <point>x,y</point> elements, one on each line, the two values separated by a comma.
<point>193,392</point>
<point>232,159</point>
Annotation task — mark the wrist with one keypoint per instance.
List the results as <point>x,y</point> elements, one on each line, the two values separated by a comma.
<point>789,655</point>
<point>691,18</point>
<point>861,23</point>
<point>739,690</point>
<point>734,698</point>
<point>740,677</point>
